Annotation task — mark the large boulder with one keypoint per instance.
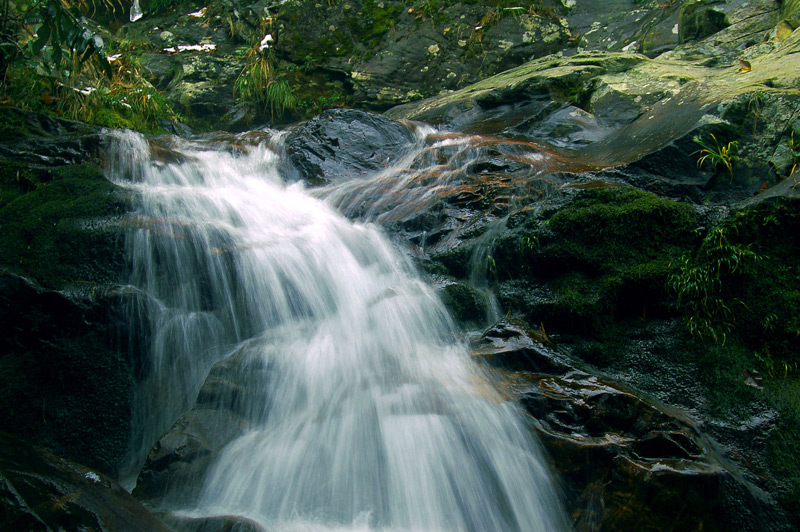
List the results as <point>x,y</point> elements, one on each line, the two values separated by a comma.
<point>63,385</point>
<point>172,473</point>
<point>342,144</point>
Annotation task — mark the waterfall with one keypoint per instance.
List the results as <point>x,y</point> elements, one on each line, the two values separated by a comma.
<point>367,413</point>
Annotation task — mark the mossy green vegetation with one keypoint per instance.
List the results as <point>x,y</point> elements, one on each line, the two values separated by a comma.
<point>606,254</point>
<point>718,155</point>
<point>745,279</point>
<point>52,224</point>
<point>600,226</point>
<point>125,101</point>
<point>259,82</point>
<point>60,67</point>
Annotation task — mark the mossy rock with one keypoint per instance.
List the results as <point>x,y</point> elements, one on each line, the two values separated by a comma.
<point>783,444</point>
<point>61,385</point>
<point>610,229</point>
<point>790,11</point>
<point>605,255</point>
<point>57,226</point>
<point>699,20</point>
<point>454,262</point>
<point>466,304</point>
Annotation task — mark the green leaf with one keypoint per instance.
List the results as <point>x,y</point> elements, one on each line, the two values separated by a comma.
<point>104,66</point>
<point>43,36</point>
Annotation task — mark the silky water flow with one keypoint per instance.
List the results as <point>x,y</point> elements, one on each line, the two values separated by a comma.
<point>361,409</point>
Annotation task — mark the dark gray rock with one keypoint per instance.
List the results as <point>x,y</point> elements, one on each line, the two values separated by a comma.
<point>172,474</point>
<point>38,139</point>
<point>700,19</point>
<point>224,523</point>
<point>342,144</point>
<point>626,462</point>
<point>466,304</point>
<point>41,492</point>
<point>158,69</point>
<point>509,344</point>
<point>64,386</point>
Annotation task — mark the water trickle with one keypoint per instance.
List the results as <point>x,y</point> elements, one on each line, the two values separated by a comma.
<point>365,412</point>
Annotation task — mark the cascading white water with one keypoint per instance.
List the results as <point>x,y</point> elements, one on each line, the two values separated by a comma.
<point>371,415</point>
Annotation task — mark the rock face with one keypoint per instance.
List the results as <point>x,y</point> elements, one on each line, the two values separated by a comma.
<point>64,384</point>
<point>342,144</point>
<point>182,456</point>
<point>393,53</point>
<point>375,55</point>
<point>625,108</point>
<point>567,261</point>
<point>626,462</point>
<point>40,491</point>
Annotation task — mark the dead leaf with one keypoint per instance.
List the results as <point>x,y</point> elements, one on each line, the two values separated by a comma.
<point>746,67</point>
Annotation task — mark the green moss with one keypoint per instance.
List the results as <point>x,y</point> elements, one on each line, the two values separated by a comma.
<point>17,179</point>
<point>612,229</point>
<point>374,21</point>
<point>107,116</point>
<point>783,444</point>
<point>573,89</point>
<point>123,103</point>
<point>455,262</point>
<point>53,232</point>
<point>606,254</point>
<point>465,303</point>
<point>584,300</point>
<point>315,92</point>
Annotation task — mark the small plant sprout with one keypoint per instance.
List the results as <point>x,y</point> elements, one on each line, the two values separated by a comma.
<point>794,150</point>
<point>717,154</point>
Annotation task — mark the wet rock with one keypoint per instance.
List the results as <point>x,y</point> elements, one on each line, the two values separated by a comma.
<point>613,108</point>
<point>661,35</point>
<point>172,473</point>
<point>45,141</point>
<point>39,491</point>
<point>64,385</point>
<point>509,344</point>
<point>626,462</point>
<point>158,69</point>
<point>227,523</point>
<point>466,304</point>
<point>60,216</point>
<point>342,144</point>
<point>174,468</point>
<point>699,19</point>
<point>621,25</point>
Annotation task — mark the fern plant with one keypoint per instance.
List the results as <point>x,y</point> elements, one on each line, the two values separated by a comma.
<point>717,154</point>
<point>258,82</point>
<point>699,284</point>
